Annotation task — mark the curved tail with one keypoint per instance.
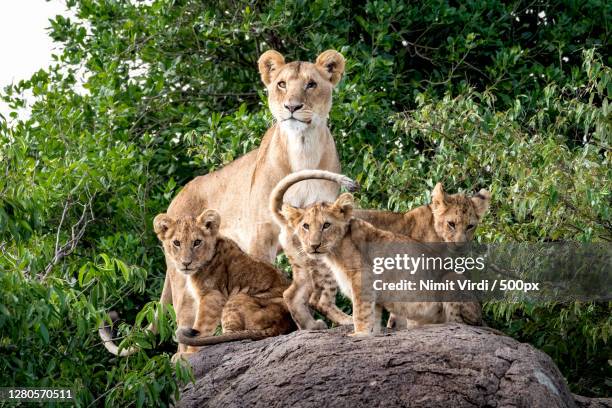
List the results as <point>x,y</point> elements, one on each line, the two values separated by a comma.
<point>106,334</point>
<point>276,198</point>
<point>190,337</point>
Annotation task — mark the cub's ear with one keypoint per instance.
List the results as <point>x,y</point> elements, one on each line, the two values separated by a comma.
<point>162,224</point>
<point>344,204</point>
<point>292,214</point>
<point>481,202</point>
<point>332,63</point>
<point>209,220</point>
<point>438,198</point>
<point>269,64</point>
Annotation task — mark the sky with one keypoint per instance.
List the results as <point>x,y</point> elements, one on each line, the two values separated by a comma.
<point>25,46</point>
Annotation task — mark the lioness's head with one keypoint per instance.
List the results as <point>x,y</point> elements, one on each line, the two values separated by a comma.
<point>456,216</point>
<point>320,227</point>
<point>189,242</point>
<point>300,93</point>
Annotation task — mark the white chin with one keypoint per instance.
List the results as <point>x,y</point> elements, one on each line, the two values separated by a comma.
<point>293,126</point>
<point>188,271</point>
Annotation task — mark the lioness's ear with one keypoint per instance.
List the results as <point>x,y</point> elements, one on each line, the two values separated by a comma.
<point>438,198</point>
<point>162,224</point>
<point>292,214</point>
<point>269,64</point>
<point>209,220</point>
<point>332,63</point>
<point>481,202</point>
<point>344,204</point>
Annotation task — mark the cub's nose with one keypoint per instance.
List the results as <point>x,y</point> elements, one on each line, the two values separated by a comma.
<point>186,263</point>
<point>292,107</point>
<point>315,246</point>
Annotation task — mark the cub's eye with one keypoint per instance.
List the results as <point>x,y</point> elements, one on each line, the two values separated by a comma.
<point>451,224</point>
<point>305,226</point>
<point>469,227</point>
<point>282,85</point>
<point>311,85</point>
<point>176,243</point>
<point>326,225</point>
<point>197,242</point>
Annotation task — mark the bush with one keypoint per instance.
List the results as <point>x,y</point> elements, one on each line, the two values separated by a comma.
<point>512,97</point>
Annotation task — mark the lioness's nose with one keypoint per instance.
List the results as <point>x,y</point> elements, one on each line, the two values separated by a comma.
<point>292,107</point>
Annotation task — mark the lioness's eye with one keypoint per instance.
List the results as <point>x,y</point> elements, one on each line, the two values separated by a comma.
<point>282,85</point>
<point>326,225</point>
<point>176,243</point>
<point>311,85</point>
<point>197,242</point>
<point>469,227</point>
<point>305,226</point>
<point>451,224</point>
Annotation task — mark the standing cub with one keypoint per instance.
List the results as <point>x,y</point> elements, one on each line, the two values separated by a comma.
<point>226,285</point>
<point>329,232</point>
<point>449,218</point>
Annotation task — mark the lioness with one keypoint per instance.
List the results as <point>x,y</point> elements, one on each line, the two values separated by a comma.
<point>299,97</point>
<point>449,218</point>
<point>330,232</point>
<point>225,284</point>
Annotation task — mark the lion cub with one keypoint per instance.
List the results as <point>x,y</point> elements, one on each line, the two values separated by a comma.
<point>451,218</point>
<point>227,285</point>
<point>329,232</point>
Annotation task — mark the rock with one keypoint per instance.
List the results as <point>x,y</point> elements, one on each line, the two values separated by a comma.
<point>434,366</point>
<point>584,402</point>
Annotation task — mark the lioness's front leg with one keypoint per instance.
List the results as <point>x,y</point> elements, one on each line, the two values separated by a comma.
<point>264,242</point>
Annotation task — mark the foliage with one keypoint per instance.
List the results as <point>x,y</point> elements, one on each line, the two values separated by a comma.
<point>143,97</point>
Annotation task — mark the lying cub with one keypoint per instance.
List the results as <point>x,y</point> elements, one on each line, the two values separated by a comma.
<point>329,232</point>
<point>228,286</point>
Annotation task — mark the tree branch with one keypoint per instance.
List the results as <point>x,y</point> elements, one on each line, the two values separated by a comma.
<point>76,233</point>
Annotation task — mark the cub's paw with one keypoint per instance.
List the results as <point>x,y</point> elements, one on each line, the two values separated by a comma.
<point>181,355</point>
<point>346,321</point>
<point>360,334</point>
<point>319,325</point>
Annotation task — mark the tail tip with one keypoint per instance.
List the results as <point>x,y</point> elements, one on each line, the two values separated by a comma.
<point>352,185</point>
<point>187,333</point>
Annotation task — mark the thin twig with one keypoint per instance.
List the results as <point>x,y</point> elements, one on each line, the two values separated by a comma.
<point>76,233</point>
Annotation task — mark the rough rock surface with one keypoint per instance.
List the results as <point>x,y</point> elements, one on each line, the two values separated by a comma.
<point>434,366</point>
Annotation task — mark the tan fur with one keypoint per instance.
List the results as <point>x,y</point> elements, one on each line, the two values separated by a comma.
<point>432,223</point>
<point>240,190</point>
<point>312,283</point>
<point>220,284</point>
<point>227,286</point>
<point>330,232</point>
<point>298,140</point>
